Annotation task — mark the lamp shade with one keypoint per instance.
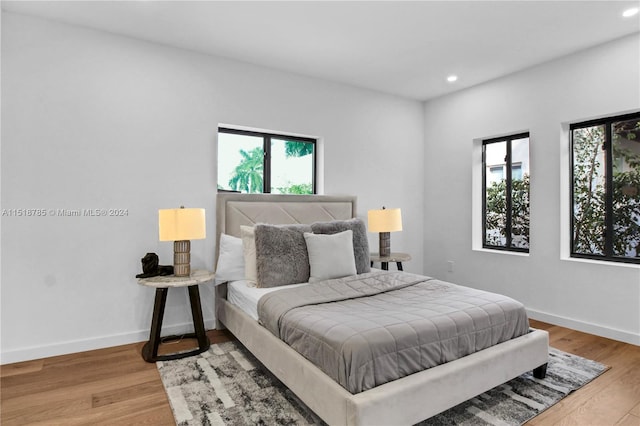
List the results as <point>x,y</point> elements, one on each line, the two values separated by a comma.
<point>181,224</point>
<point>385,220</point>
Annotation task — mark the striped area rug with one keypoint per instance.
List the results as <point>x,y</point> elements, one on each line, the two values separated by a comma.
<point>227,386</point>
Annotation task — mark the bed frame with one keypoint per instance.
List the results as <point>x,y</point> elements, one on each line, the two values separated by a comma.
<point>408,400</point>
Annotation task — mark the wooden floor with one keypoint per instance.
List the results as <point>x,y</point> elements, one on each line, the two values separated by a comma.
<point>115,386</point>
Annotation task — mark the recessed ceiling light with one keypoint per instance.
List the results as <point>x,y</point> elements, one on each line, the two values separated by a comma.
<point>630,12</point>
<point>452,78</point>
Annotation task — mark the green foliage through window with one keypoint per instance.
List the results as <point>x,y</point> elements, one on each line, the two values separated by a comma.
<point>248,175</point>
<point>496,212</point>
<point>298,149</point>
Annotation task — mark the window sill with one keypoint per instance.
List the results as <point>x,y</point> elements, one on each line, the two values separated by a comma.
<point>508,252</point>
<point>600,262</point>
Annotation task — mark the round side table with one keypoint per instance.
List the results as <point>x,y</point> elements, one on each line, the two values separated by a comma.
<point>162,285</point>
<point>394,257</point>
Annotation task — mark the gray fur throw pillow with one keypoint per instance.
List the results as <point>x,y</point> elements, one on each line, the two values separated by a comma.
<point>281,255</point>
<point>360,241</point>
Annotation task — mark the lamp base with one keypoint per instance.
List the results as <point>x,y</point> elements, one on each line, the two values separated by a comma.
<point>182,258</point>
<point>385,244</point>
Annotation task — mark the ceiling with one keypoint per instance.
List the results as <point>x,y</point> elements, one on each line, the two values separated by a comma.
<point>403,48</point>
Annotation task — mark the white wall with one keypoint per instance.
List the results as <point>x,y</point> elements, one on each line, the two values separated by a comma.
<point>94,120</point>
<point>597,297</point>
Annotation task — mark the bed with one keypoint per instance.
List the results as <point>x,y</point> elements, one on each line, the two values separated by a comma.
<point>406,400</point>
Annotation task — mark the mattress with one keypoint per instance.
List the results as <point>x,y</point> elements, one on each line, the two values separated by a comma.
<point>245,295</point>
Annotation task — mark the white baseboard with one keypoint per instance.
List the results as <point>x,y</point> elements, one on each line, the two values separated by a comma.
<point>585,327</point>
<point>74,346</point>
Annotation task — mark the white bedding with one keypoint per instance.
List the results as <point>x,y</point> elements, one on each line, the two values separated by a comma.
<point>245,296</point>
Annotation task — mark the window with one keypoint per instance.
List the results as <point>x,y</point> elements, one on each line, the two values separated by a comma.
<point>254,162</point>
<point>496,173</point>
<point>506,193</point>
<point>605,191</point>
<point>516,171</point>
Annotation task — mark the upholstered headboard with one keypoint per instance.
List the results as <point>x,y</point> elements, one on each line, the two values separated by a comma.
<point>234,210</point>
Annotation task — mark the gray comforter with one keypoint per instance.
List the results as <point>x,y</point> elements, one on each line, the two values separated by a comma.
<point>373,328</point>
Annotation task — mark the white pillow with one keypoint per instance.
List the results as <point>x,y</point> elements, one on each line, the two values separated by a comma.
<point>230,260</point>
<point>249,251</point>
<point>330,255</point>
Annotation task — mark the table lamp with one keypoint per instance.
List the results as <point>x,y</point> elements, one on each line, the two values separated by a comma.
<point>385,221</point>
<point>180,226</point>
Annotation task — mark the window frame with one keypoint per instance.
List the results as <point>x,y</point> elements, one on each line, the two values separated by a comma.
<point>607,122</point>
<point>266,146</point>
<point>508,202</point>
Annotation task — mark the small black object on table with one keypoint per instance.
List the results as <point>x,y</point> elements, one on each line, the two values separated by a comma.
<point>162,284</point>
<point>150,267</point>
